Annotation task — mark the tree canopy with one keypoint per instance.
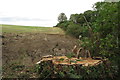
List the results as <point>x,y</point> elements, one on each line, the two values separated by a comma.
<point>62,17</point>
<point>99,29</point>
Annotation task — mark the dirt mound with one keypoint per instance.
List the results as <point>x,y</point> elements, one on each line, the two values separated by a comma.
<point>27,48</point>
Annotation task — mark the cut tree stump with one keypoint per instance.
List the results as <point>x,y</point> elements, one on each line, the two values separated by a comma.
<point>63,60</point>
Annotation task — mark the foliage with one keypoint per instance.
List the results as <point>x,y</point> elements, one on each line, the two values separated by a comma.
<point>107,20</point>
<point>99,30</point>
<point>70,55</point>
<point>106,25</point>
<point>73,29</point>
<point>63,25</point>
<point>62,17</point>
<point>74,18</point>
<point>75,71</point>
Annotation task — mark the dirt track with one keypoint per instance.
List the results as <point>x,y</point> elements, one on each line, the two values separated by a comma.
<point>27,48</point>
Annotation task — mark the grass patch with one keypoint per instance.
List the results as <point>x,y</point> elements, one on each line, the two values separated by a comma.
<point>31,29</point>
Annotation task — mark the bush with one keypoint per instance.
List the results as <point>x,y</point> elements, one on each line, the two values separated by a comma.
<point>76,71</point>
<point>63,25</point>
<point>74,30</point>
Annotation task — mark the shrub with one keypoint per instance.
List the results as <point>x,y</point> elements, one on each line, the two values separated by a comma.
<point>74,30</point>
<point>76,71</point>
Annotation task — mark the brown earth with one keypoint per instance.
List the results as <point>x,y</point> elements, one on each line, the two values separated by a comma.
<point>27,48</point>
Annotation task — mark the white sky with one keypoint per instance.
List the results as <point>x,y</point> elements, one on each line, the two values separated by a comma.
<point>40,12</point>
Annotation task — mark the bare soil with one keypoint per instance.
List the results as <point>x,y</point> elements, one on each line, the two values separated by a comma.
<point>27,48</point>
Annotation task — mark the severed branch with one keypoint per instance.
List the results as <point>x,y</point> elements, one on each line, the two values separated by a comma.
<point>78,53</point>
<point>88,53</point>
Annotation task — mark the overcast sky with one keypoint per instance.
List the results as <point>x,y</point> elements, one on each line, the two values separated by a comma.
<point>40,12</point>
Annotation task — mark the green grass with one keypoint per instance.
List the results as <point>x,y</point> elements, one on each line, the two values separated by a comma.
<point>30,29</point>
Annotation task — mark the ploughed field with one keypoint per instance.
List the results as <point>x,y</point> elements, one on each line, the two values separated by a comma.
<point>22,48</point>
